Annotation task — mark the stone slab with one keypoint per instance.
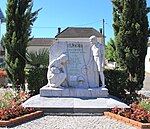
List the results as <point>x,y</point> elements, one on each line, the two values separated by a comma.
<point>73,92</point>
<point>73,104</point>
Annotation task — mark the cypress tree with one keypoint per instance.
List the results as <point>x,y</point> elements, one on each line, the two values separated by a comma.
<point>131,37</point>
<point>111,50</point>
<point>19,20</point>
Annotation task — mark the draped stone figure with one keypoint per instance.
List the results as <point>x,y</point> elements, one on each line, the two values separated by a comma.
<point>56,74</point>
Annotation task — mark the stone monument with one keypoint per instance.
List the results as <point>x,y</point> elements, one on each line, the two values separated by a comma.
<point>74,70</point>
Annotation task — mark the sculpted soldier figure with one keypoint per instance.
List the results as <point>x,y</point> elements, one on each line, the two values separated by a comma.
<point>98,52</point>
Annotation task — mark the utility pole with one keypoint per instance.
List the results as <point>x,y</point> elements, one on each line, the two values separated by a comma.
<point>104,31</point>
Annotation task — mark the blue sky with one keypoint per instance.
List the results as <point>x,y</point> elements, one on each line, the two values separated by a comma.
<point>70,13</point>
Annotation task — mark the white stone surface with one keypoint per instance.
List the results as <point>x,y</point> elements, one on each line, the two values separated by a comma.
<point>98,52</point>
<point>73,92</point>
<point>73,103</point>
<point>57,74</point>
<point>80,73</point>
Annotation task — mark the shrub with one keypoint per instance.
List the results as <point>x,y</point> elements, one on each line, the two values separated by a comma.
<point>118,85</point>
<point>116,82</point>
<point>37,78</point>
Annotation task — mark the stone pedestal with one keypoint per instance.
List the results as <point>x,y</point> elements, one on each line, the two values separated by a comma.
<point>73,92</point>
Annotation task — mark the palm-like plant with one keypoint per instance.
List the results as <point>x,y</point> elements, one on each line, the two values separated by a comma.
<point>38,58</point>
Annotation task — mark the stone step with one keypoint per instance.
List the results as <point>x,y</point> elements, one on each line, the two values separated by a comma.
<point>73,104</point>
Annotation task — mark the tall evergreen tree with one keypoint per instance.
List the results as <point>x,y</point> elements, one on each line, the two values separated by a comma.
<point>111,50</point>
<point>19,20</point>
<point>131,36</point>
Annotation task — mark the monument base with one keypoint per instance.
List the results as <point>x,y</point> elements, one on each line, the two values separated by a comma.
<point>73,92</point>
<point>73,104</point>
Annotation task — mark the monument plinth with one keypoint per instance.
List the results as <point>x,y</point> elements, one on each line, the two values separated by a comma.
<point>73,92</point>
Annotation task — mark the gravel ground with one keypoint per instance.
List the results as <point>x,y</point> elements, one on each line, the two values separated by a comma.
<point>73,122</point>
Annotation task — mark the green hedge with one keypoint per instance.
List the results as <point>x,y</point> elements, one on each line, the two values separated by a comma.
<point>36,78</point>
<point>116,82</point>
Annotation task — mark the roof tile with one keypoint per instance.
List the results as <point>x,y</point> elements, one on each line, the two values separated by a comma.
<point>41,42</point>
<point>78,32</point>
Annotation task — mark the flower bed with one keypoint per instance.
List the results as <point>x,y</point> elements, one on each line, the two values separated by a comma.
<point>20,119</point>
<point>11,111</point>
<point>136,115</point>
<point>137,124</point>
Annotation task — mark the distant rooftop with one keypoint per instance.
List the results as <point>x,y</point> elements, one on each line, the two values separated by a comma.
<point>78,32</point>
<point>2,16</point>
<point>41,41</point>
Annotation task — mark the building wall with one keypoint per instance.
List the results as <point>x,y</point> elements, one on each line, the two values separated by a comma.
<point>36,48</point>
<point>78,39</point>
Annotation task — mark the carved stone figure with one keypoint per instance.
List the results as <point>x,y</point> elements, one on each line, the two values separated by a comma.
<point>56,74</point>
<point>98,52</point>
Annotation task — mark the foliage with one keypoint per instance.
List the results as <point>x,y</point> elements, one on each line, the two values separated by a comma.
<point>19,20</point>
<point>116,82</point>
<point>135,113</point>
<point>38,58</point>
<point>15,111</point>
<point>10,99</point>
<point>146,104</point>
<point>37,74</point>
<point>111,51</point>
<point>10,104</point>
<point>131,36</point>
<point>36,78</point>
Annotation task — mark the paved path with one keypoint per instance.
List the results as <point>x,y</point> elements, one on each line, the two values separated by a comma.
<point>73,122</point>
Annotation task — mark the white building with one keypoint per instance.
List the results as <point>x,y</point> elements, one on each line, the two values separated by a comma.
<point>69,34</point>
<point>37,44</point>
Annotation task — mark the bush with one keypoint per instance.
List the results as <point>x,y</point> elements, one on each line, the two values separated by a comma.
<point>118,85</point>
<point>116,82</point>
<point>37,78</point>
